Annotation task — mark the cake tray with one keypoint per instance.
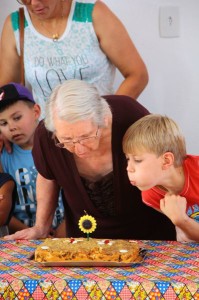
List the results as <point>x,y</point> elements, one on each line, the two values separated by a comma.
<point>139,260</point>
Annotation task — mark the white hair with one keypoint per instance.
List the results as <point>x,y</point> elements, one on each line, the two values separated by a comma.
<point>76,100</point>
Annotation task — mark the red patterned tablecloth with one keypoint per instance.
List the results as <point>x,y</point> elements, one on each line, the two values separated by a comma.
<point>170,270</point>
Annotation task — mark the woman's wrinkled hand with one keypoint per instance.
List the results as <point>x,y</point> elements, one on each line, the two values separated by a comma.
<point>32,233</point>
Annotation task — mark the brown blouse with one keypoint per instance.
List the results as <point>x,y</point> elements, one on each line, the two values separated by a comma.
<point>101,194</point>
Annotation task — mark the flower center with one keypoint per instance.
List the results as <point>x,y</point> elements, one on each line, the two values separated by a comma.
<point>87,224</point>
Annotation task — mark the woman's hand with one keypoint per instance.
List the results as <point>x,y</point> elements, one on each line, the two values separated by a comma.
<point>5,143</point>
<point>32,233</point>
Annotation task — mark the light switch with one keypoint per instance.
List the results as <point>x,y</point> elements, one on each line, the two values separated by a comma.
<point>169,21</point>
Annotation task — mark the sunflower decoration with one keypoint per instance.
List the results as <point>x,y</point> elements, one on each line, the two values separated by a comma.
<point>87,224</point>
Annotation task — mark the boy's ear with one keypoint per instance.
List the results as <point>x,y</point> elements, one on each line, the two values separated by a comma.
<point>37,111</point>
<point>168,160</point>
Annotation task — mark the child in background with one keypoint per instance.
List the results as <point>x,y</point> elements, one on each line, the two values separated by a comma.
<point>168,178</point>
<point>19,115</point>
<point>8,196</point>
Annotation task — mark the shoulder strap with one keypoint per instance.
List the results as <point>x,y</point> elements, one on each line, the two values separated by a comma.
<point>21,40</point>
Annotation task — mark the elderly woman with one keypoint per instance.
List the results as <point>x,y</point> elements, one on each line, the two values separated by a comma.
<point>79,147</point>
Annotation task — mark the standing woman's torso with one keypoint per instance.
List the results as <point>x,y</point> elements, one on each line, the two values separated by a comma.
<point>76,54</point>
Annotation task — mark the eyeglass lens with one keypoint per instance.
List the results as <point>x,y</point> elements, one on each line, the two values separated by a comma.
<point>82,141</point>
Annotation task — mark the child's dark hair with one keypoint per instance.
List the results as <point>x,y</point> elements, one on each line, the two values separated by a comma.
<point>14,92</point>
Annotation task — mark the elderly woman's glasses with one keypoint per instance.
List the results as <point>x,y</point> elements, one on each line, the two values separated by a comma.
<point>83,141</point>
<point>24,2</point>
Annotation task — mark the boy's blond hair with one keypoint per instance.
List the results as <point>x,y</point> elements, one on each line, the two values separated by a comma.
<point>155,134</point>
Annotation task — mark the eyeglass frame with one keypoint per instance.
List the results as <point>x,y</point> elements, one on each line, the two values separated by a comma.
<point>72,143</point>
<point>21,2</point>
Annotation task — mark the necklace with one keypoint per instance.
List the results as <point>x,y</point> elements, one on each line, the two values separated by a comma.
<point>56,35</point>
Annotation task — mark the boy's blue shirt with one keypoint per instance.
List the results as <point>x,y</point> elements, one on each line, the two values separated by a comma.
<point>20,165</point>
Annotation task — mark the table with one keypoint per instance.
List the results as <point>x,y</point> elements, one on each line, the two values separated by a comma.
<point>170,270</point>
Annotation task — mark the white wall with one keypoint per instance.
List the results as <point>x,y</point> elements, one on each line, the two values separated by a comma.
<point>6,7</point>
<point>173,63</point>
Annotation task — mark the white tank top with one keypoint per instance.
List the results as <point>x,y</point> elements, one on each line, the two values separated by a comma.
<point>77,54</point>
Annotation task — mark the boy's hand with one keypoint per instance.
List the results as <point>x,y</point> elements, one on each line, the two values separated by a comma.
<point>5,143</point>
<point>174,207</point>
<point>181,236</point>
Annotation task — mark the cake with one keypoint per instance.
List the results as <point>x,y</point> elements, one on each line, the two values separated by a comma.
<point>82,249</point>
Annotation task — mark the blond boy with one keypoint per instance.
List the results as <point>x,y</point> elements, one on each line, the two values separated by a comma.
<point>168,178</point>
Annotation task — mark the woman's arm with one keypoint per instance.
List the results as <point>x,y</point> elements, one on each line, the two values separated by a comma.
<point>47,198</point>
<point>119,48</point>
<point>9,59</point>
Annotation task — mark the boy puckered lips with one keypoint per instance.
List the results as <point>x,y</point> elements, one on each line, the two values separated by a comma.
<point>158,165</point>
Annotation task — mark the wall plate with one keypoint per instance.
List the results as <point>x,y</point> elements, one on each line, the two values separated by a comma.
<point>169,21</point>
